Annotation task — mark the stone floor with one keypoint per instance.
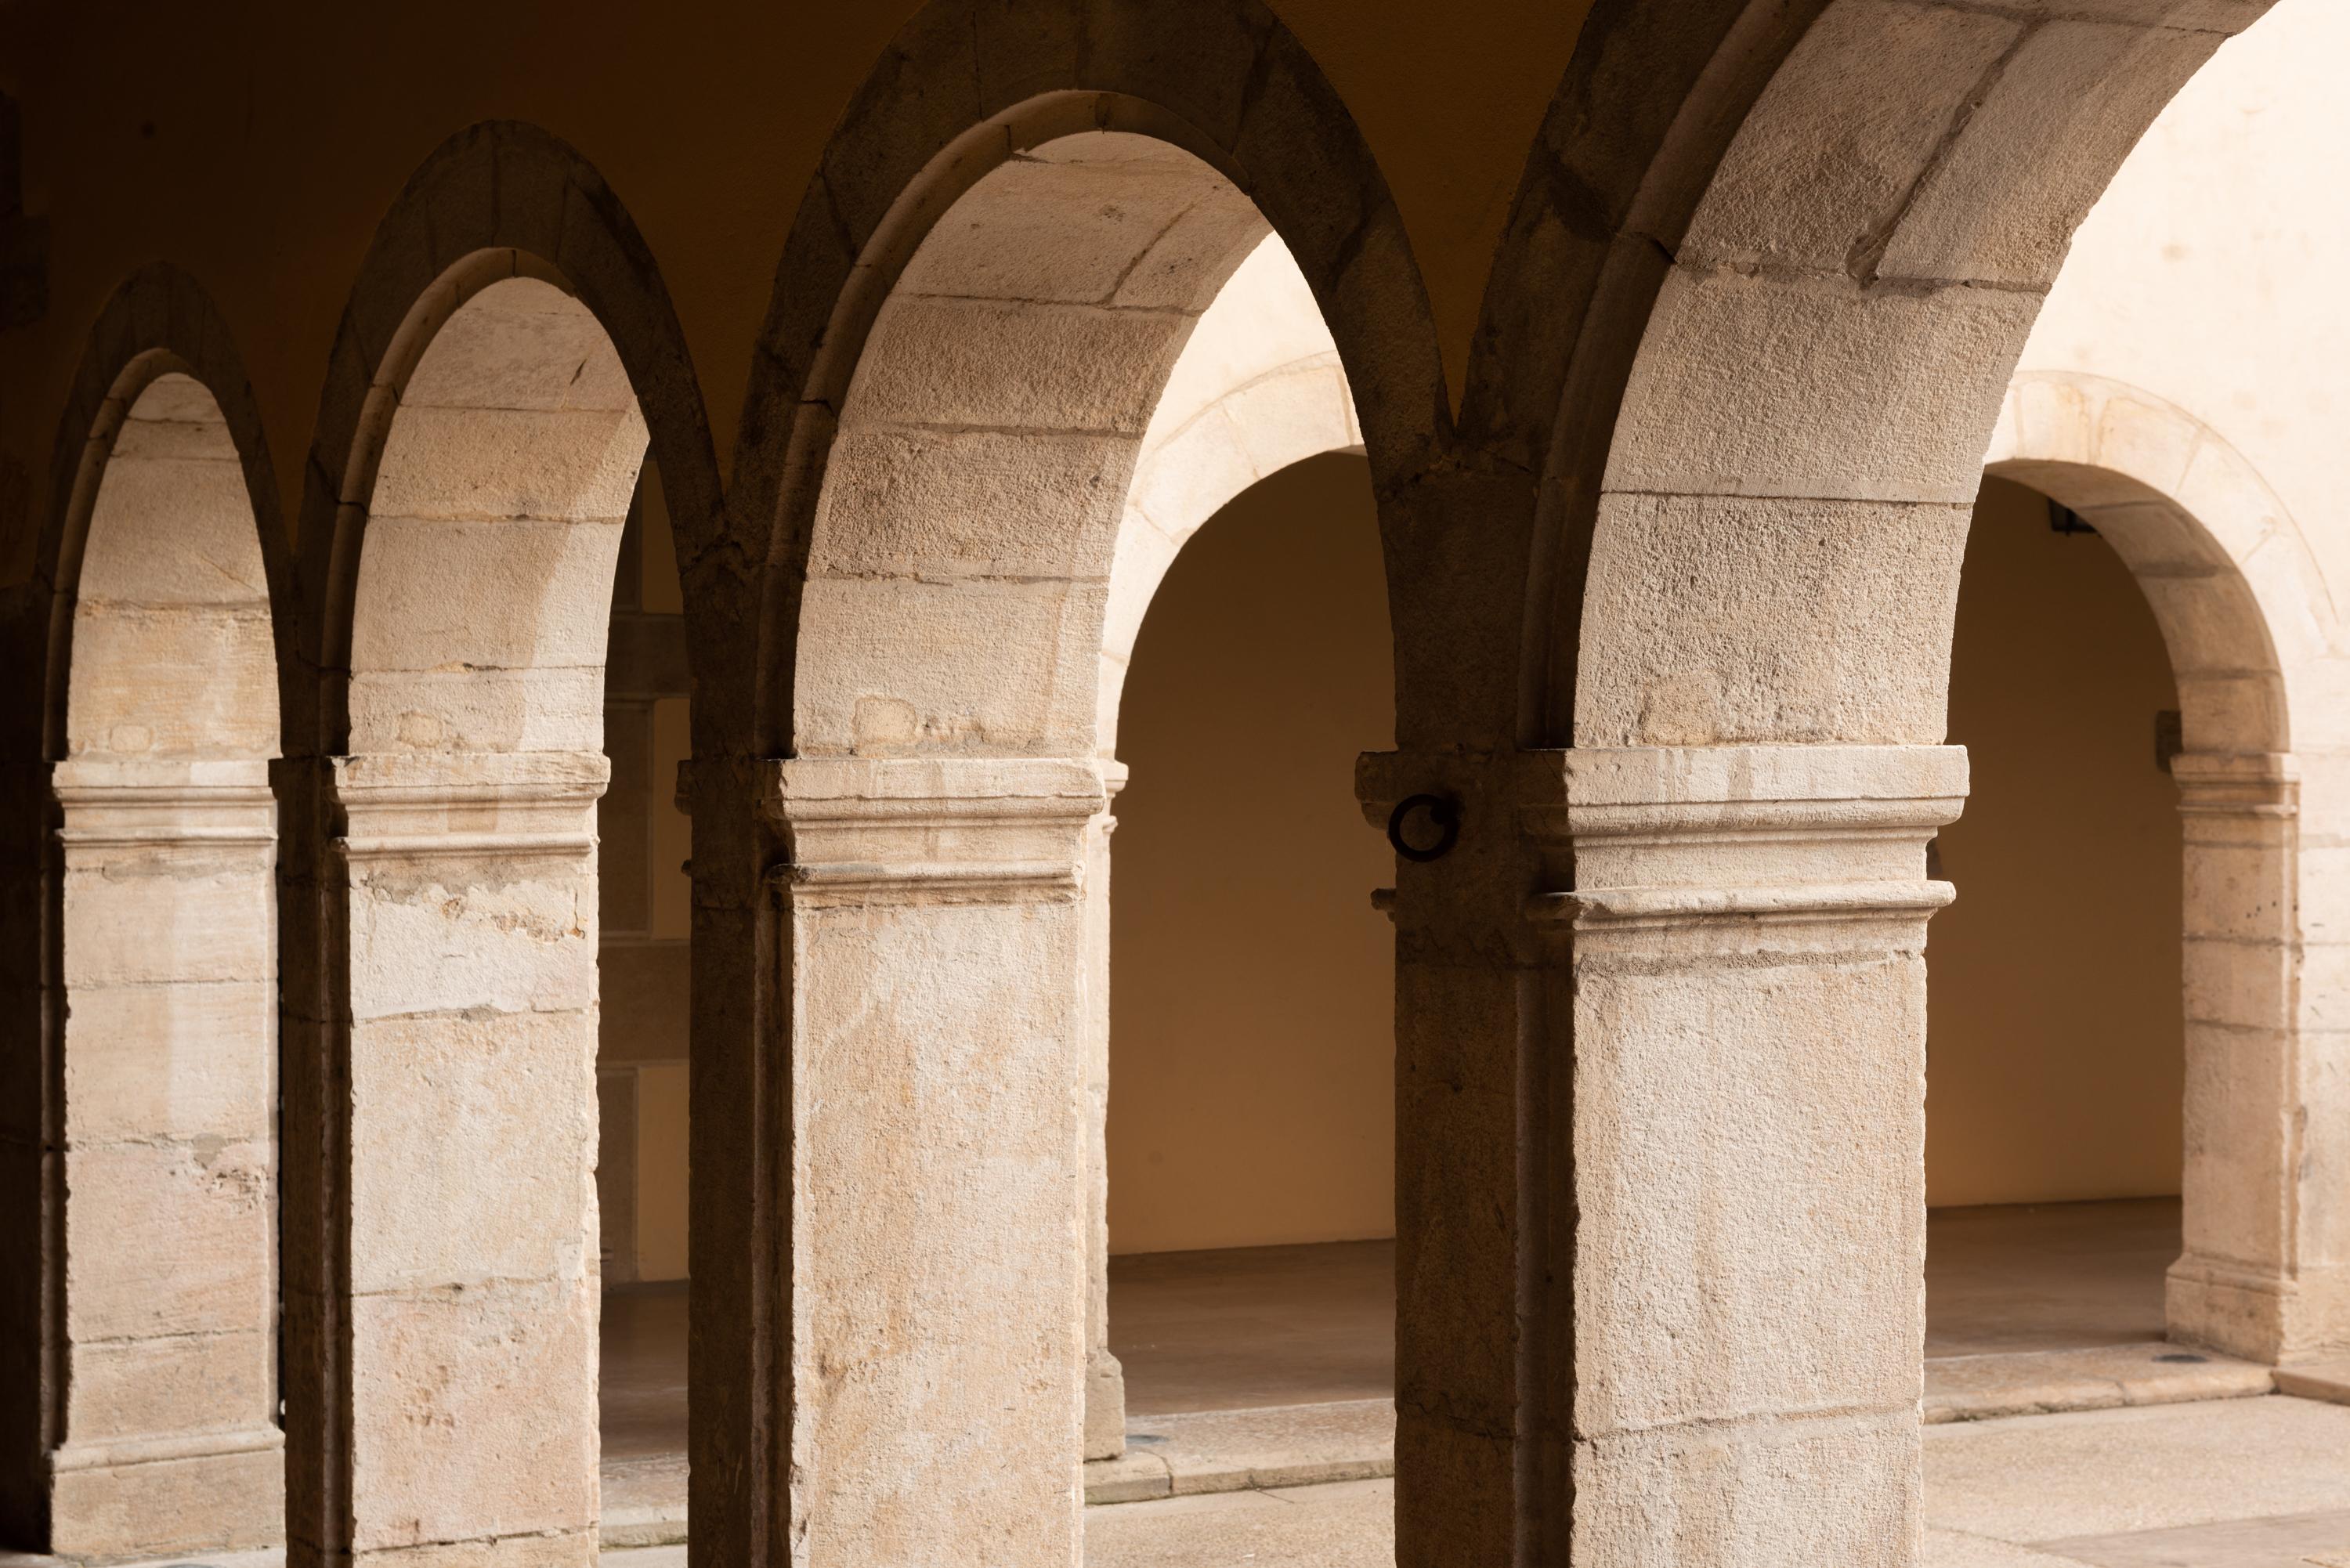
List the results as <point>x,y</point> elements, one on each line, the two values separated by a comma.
<point>2250,1483</point>
<point>1300,1326</point>
<point>1270,1368</point>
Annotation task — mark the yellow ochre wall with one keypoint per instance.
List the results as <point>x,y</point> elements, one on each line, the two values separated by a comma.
<point>2055,1053</point>
<point>1251,983</point>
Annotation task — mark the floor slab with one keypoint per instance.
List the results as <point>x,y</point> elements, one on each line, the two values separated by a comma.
<point>2047,1276</point>
<point>1347,1525</point>
<point>2038,1479</point>
<point>2029,1307</point>
<point>1238,1329</point>
<point>2220,1485</point>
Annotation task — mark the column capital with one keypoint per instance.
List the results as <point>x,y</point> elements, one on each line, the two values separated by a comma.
<point>2238,784</point>
<point>864,830</point>
<point>111,803</point>
<point>1684,837</point>
<point>442,803</point>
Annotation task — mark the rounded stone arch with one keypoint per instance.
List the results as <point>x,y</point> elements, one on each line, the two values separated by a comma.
<point>507,361</point>
<point>499,201</point>
<point>967,85</point>
<point>1767,277</point>
<point>1775,549</point>
<point>937,514</point>
<point>1768,268</point>
<point>159,325</point>
<point>2254,637</point>
<point>142,1385</point>
<point>1258,387</point>
<point>2235,589</point>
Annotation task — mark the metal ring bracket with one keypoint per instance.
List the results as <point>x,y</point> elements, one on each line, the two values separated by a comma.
<point>1442,811</point>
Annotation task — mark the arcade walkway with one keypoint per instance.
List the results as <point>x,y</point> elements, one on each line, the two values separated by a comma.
<point>2045,1307</point>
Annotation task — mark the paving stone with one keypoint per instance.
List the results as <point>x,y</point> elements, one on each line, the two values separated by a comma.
<point>2041,1479</point>
<point>1347,1525</point>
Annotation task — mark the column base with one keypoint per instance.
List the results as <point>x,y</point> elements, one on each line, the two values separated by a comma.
<point>1105,1405</point>
<point>151,1497</point>
<point>2256,1315</point>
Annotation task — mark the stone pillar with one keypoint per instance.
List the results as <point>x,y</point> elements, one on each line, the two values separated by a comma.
<point>1105,1378</point>
<point>2265,1271</point>
<point>934,957</point>
<point>168,1438</point>
<point>1737,937</point>
<point>455,1326</point>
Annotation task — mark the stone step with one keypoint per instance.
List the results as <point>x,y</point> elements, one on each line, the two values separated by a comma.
<point>1236,1450</point>
<point>2027,1383</point>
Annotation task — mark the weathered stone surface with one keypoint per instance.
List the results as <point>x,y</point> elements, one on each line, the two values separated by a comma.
<point>1834,1488</point>
<point>174,1384</point>
<point>475,1134</point>
<point>512,593</point>
<point>2078,92</point>
<point>433,938</point>
<point>940,1237</point>
<point>1010,364</point>
<point>1788,194</point>
<point>512,1367</point>
<point>1872,426</point>
<point>1717,619</point>
<point>199,1503</point>
<point>168,1238</point>
<point>947,504</point>
<point>175,1061</point>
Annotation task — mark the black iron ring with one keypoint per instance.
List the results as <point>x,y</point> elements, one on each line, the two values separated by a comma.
<point>1443,810</point>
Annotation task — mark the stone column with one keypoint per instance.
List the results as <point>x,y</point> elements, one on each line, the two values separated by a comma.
<point>1737,938</point>
<point>1105,1378</point>
<point>2265,1272</point>
<point>934,957</point>
<point>168,1438</point>
<point>458,1301</point>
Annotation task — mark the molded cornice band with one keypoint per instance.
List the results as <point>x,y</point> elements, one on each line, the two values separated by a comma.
<point>933,829</point>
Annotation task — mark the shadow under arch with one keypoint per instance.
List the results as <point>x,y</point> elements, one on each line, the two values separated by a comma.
<point>2246,614</point>
<point>142,1418</point>
<point>508,359</point>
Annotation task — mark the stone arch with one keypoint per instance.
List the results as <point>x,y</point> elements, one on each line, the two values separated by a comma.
<point>507,359</point>
<point>1775,551</point>
<point>1768,274</point>
<point>965,89</point>
<point>498,200</point>
<point>148,1416</point>
<point>2233,585</point>
<point>2250,623</point>
<point>1258,387</point>
<point>946,791</point>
